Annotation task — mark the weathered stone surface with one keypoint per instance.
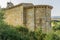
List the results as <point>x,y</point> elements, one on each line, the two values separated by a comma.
<point>30,18</point>
<point>14,16</point>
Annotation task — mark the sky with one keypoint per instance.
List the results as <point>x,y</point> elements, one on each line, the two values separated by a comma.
<point>54,3</point>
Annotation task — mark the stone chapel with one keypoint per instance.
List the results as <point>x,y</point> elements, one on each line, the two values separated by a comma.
<point>28,15</point>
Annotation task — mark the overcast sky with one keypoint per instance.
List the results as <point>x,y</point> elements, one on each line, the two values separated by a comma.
<point>54,3</point>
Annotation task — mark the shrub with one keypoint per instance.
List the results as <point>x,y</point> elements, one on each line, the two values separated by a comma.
<point>52,36</point>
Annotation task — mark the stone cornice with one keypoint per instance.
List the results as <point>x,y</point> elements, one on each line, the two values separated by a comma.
<point>44,6</point>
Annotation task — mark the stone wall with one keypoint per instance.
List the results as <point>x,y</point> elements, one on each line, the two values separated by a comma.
<point>48,18</point>
<point>40,17</point>
<point>30,18</point>
<point>14,16</point>
<point>43,17</point>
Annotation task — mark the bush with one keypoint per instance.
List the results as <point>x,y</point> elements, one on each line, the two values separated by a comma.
<point>6,32</point>
<point>22,29</point>
<point>55,28</point>
<point>52,36</point>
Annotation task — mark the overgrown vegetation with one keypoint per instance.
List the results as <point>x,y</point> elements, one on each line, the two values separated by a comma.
<point>7,32</point>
